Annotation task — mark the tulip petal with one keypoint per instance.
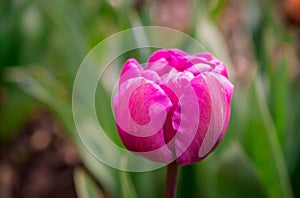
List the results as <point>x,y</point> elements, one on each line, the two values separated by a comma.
<point>141,107</point>
<point>192,123</point>
<point>203,62</point>
<point>164,53</point>
<point>173,84</point>
<point>199,65</point>
<point>169,131</point>
<point>152,147</point>
<point>220,92</point>
<point>162,61</point>
<point>131,69</point>
<point>151,75</point>
<point>158,62</point>
<point>177,81</point>
<point>220,68</point>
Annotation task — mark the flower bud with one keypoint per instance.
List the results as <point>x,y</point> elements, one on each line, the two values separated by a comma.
<point>177,107</point>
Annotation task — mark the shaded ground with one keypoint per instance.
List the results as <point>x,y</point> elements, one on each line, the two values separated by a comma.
<point>38,162</point>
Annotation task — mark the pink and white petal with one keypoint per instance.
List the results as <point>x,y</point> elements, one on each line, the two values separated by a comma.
<point>131,69</point>
<point>228,92</point>
<point>130,64</point>
<point>159,54</point>
<point>173,84</point>
<point>166,53</point>
<point>177,81</point>
<point>141,107</point>
<point>191,120</point>
<point>163,60</point>
<point>220,68</point>
<point>151,147</point>
<point>169,131</point>
<point>179,60</point>
<point>178,52</point>
<point>202,61</point>
<point>199,68</point>
<point>221,92</point>
<point>162,155</point>
<point>199,65</point>
<point>151,75</point>
<point>160,66</point>
<point>205,55</point>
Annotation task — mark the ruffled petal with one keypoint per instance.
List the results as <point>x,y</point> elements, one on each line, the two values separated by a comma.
<point>141,107</point>
<point>199,65</point>
<point>177,81</point>
<point>131,69</point>
<point>221,92</point>
<point>173,84</point>
<point>169,131</point>
<point>204,62</point>
<point>162,61</point>
<point>191,119</point>
<point>151,75</point>
<point>158,62</point>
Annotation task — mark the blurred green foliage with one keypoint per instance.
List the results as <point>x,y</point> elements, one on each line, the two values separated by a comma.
<point>42,44</point>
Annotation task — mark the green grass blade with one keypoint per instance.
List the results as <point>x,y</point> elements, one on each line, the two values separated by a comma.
<point>85,186</point>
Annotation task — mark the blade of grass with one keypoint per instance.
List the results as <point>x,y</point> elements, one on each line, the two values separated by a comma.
<point>128,190</point>
<point>276,151</point>
<point>262,144</point>
<point>85,186</point>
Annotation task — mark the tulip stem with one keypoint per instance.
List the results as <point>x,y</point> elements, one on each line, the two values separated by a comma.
<point>171,180</point>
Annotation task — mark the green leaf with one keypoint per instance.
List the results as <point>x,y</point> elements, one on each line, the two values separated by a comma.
<point>262,144</point>
<point>279,93</point>
<point>85,186</point>
<point>128,190</point>
<point>217,7</point>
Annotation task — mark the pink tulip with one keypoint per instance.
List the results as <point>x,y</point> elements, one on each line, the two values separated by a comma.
<point>177,107</point>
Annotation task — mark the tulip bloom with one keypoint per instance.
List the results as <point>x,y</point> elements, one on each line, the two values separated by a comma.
<point>176,107</point>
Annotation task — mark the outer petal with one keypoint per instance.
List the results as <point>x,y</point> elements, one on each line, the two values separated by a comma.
<point>173,84</point>
<point>151,147</point>
<point>197,116</point>
<point>141,108</point>
<point>214,93</point>
<point>203,62</point>
<point>131,69</point>
<point>221,92</point>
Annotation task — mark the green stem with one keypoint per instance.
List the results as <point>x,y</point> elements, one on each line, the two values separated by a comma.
<point>171,180</point>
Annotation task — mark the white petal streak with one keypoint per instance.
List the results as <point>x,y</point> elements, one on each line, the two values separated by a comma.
<point>215,83</point>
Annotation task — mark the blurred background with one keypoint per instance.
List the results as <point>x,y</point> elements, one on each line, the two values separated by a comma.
<point>42,44</point>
